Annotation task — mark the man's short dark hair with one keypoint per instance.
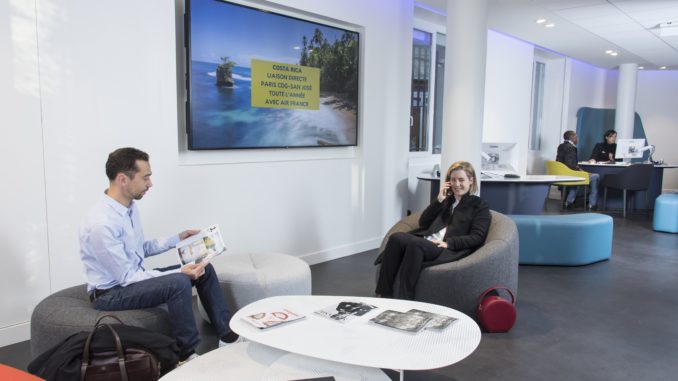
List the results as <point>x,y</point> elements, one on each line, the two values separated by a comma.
<point>124,160</point>
<point>568,135</point>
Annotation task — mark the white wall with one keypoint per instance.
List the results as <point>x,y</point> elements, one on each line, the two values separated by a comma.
<point>508,93</point>
<point>105,76</point>
<point>587,88</point>
<point>23,221</point>
<point>656,104</point>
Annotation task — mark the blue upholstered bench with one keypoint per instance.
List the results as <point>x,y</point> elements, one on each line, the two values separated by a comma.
<point>566,240</point>
<point>666,213</point>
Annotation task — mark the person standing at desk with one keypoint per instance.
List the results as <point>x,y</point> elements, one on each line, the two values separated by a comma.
<point>604,152</point>
<point>567,154</point>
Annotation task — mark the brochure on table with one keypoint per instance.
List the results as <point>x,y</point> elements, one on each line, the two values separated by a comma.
<point>345,311</point>
<point>268,319</point>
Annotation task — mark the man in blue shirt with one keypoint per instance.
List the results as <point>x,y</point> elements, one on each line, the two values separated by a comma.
<point>113,249</point>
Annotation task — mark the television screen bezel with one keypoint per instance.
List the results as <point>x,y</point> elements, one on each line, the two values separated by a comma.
<point>277,12</point>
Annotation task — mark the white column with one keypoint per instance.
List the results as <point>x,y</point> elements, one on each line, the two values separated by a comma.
<point>626,100</point>
<point>463,103</point>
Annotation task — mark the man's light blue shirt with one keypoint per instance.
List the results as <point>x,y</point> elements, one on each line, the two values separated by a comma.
<point>112,246</point>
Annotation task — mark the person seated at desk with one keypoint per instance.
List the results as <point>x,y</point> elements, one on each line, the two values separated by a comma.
<point>567,154</point>
<point>453,226</point>
<point>604,152</point>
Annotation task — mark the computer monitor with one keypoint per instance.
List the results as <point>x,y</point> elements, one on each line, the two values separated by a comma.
<point>630,148</point>
<point>498,157</point>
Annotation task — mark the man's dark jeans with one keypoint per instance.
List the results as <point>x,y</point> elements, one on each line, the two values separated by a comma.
<point>176,291</point>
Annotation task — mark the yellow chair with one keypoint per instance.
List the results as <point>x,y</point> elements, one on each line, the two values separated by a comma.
<point>559,169</point>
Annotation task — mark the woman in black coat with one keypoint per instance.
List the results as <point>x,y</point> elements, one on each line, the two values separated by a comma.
<point>451,228</point>
<point>604,152</point>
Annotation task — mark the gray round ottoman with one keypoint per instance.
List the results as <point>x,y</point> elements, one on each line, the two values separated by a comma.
<point>245,278</point>
<point>69,311</point>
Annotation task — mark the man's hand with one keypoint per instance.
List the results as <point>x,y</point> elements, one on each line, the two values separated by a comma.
<point>187,233</point>
<point>194,270</point>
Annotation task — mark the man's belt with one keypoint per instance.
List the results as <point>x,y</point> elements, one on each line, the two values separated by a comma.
<point>94,295</point>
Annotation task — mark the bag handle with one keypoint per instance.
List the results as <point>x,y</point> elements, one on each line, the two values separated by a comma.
<point>118,348</point>
<point>495,288</point>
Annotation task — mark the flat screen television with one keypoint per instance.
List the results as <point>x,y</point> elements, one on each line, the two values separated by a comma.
<point>260,79</point>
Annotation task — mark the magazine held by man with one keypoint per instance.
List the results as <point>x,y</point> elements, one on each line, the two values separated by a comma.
<point>345,311</point>
<point>273,318</point>
<point>202,246</point>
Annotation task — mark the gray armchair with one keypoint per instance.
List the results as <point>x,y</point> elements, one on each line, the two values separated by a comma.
<point>458,285</point>
<point>69,311</point>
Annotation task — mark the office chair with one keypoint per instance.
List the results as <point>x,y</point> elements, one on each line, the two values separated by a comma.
<point>634,178</point>
<point>557,168</point>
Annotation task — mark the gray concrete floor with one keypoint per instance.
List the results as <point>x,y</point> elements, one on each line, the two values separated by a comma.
<point>613,320</point>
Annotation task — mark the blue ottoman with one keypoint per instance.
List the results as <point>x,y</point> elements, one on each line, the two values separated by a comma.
<point>565,240</point>
<point>666,213</point>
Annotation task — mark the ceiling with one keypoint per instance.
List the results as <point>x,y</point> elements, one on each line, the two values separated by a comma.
<point>586,29</point>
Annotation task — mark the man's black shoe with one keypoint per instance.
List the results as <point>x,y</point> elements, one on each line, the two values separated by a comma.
<point>593,208</point>
<point>568,206</point>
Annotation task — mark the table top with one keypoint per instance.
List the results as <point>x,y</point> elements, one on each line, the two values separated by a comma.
<point>360,342</point>
<point>531,179</point>
<point>623,164</point>
<point>252,361</point>
<point>489,177</point>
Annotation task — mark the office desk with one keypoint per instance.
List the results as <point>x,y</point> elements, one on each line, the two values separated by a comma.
<point>615,196</point>
<point>525,195</point>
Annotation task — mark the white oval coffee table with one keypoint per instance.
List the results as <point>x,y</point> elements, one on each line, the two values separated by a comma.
<point>252,361</point>
<point>359,342</point>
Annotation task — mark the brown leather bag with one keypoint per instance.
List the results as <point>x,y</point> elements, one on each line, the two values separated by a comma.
<point>130,364</point>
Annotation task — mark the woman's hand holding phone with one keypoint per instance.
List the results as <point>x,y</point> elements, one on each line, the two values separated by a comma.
<point>444,191</point>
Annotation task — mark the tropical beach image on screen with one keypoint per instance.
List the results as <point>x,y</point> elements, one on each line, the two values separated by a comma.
<point>260,79</point>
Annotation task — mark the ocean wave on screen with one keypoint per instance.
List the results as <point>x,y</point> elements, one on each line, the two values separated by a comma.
<point>212,73</point>
<point>301,128</point>
<point>241,77</point>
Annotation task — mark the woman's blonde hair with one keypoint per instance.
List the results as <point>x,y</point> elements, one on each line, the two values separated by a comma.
<point>470,173</point>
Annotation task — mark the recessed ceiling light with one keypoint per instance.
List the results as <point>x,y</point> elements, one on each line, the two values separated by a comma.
<point>608,51</point>
<point>540,21</point>
<point>641,67</point>
<point>549,25</point>
<point>614,54</point>
<point>663,67</point>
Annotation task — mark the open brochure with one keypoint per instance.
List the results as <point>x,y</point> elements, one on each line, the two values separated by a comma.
<point>345,311</point>
<point>202,246</point>
<point>437,323</point>
<point>403,321</point>
<point>268,319</point>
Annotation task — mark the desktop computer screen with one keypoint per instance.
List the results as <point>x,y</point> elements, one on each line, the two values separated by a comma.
<point>498,157</point>
<point>630,148</point>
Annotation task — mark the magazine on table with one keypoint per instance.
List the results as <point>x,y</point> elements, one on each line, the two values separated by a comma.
<point>345,311</point>
<point>202,246</point>
<point>403,321</point>
<point>272,318</point>
<point>437,323</point>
